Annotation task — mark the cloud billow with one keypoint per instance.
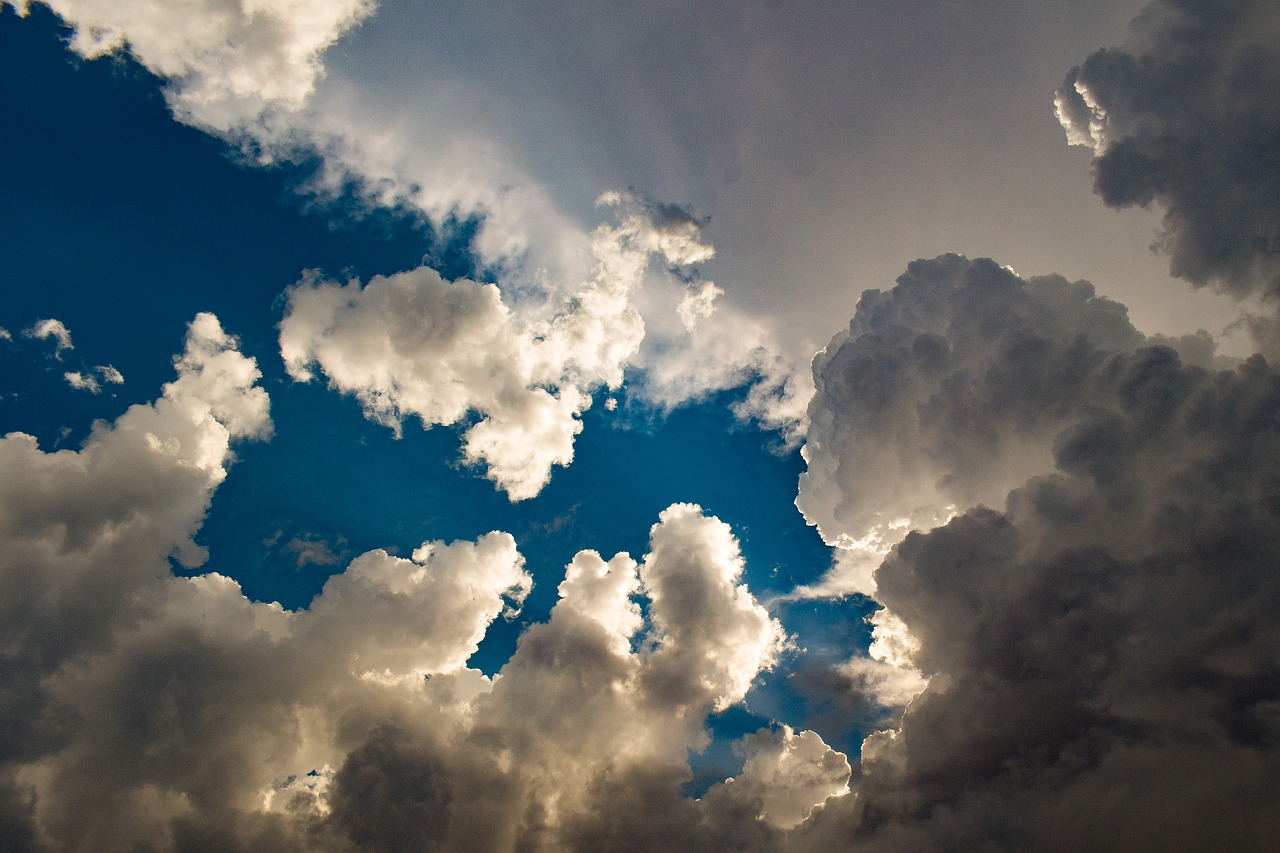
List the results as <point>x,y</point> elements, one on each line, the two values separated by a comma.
<point>1095,622</point>
<point>1186,117</point>
<point>413,344</point>
<point>1074,528</point>
<point>1101,653</point>
<point>948,390</point>
<point>142,710</point>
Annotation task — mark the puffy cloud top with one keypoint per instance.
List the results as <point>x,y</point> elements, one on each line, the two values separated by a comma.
<point>224,60</point>
<point>1186,117</point>
<point>143,710</point>
<point>414,344</point>
<point>948,390</point>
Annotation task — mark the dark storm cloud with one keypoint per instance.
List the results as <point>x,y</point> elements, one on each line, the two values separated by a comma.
<point>1186,117</point>
<point>1103,652</point>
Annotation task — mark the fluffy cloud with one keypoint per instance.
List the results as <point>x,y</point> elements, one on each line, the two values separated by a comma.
<point>224,61</point>
<point>87,536</point>
<point>790,774</point>
<point>1186,117</point>
<point>412,344</point>
<point>945,392</point>
<point>144,710</point>
<point>1088,642</point>
<point>251,75</point>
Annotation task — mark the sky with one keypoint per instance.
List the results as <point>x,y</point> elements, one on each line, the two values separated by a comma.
<point>553,426</point>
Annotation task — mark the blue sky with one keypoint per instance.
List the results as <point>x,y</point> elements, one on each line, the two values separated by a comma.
<point>344,347</point>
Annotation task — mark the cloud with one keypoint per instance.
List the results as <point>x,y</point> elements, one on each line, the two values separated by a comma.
<point>82,382</point>
<point>51,328</point>
<point>412,344</point>
<point>945,392</point>
<point>110,375</point>
<point>224,62</point>
<point>1185,117</point>
<point>791,775</point>
<point>887,674</point>
<point>88,534</point>
<point>85,381</point>
<point>1102,652</point>
<point>144,710</point>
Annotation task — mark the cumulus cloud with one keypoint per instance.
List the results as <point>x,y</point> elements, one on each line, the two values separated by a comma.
<point>1085,647</point>
<point>88,533</point>
<point>141,710</point>
<point>412,344</point>
<point>224,62</point>
<point>251,76</point>
<point>945,392</point>
<point>1184,116</point>
<point>52,328</point>
<point>887,674</point>
<point>1102,652</point>
<point>790,775</point>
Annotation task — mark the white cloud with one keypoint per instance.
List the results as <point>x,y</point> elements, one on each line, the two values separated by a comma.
<point>187,715</point>
<point>428,615</point>
<point>82,382</point>
<point>412,344</point>
<point>714,636</point>
<point>85,381</point>
<point>224,61</point>
<point>790,774</point>
<point>888,673</point>
<point>110,375</point>
<point>51,328</point>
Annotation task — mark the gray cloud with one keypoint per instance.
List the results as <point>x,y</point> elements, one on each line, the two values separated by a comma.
<point>1185,117</point>
<point>948,390</point>
<point>1103,653</point>
<point>1100,643</point>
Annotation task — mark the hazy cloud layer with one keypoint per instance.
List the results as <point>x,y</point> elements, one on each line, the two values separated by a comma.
<point>1185,117</point>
